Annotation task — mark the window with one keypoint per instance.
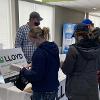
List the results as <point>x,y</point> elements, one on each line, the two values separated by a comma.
<point>95,19</point>
<point>25,8</point>
<point>47,15</point>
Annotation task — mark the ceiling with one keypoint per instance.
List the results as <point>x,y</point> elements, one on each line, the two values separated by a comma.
<point>81,5</point>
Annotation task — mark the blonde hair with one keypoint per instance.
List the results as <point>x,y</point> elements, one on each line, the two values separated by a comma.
<point>36,32</point>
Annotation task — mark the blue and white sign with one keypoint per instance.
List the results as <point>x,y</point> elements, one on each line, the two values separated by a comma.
<point>68,39</point>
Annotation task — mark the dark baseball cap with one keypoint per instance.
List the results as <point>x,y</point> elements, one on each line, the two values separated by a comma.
<point>35,15</point>
<point>81,27</point>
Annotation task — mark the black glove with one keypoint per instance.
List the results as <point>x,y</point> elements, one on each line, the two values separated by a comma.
<point>21,82</point>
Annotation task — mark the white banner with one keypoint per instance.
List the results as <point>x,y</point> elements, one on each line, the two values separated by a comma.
<point>8,57</point>
<point>68,39</point>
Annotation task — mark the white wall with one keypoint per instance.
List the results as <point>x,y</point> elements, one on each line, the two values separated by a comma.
<point>25,8</point>
<point>5,25</point>
<point>95,19</point>
<point>65,15</point>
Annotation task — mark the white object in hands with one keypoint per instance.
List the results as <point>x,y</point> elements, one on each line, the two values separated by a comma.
<point>16,67</point>
<point>62,57</point>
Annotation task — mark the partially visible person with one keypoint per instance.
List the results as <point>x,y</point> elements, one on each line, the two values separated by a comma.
<point>96,34</point>
<point>45,66</point>
<point>22,39</point>
<point>81,65</point>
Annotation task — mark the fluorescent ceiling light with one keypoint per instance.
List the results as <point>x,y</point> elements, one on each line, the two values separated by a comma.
<point>55,0</point>
<point>39,0</point>
<point>94,8</point>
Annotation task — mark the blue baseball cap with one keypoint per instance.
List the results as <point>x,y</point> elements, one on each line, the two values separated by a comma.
<point>87,21</point>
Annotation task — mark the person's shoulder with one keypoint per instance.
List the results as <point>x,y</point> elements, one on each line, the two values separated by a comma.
<point>53,44</point>
<point>73,49</point>
<point>24,26</point>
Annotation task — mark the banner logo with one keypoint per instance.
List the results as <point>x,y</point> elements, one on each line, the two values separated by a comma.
<point>10,58</point>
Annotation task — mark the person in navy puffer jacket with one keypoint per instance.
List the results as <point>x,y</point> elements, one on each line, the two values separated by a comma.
<point>45,66</point>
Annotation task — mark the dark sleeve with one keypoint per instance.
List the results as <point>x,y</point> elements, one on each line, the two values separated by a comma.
<point>38,68</point>
<point>68,65</point>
